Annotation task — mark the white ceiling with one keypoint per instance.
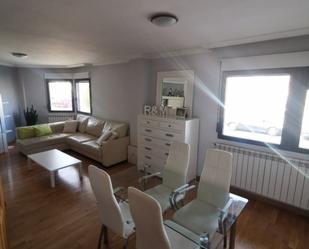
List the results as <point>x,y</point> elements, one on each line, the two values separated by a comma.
<point>72,32</point>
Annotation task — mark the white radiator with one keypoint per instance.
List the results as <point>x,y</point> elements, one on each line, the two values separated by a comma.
<point>56,117</point>
<point>267,174</point>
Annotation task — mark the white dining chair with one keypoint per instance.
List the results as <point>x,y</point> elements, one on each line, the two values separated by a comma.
<point>174,175</point>
<point>151,233</point>
<point>207,212</point>
<point>114,215</point>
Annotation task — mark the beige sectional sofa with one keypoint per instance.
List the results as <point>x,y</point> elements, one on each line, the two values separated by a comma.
<point>84,141</point>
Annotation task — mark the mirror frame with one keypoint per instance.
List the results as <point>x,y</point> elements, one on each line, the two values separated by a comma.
<point>188,76</point>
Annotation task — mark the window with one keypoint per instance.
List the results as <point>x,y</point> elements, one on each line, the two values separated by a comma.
<point>60,95</point>
<point>255,107</point>
<point>269,106</point>
<point>304,135</point>
<point>83,96</point>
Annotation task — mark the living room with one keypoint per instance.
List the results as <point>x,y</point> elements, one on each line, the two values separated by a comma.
<point>115,65</point>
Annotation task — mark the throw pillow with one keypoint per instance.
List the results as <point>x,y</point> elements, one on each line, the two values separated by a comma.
<point>94,127</point>
<point>120,129</point>
<point>113,136</point>
<point>25,132</point>
<point>83,120</point>
<point>70,126</point>
<point>106,135</point>
<point>42,130</point>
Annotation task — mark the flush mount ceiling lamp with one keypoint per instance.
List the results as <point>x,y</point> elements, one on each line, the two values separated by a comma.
<point>19,55</point>
<point>164,19</point>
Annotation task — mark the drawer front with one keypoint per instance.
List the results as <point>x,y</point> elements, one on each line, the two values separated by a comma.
<point>148,131</point>
<point>167,135</point>
<point>149,123</point>
<point>154,142</point>
<point>178,126</point>
<point>153,152</point>
<point>152,164</point>
<point>171,136</point>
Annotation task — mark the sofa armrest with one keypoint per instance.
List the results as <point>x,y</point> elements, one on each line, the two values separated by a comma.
<point>115,151</point>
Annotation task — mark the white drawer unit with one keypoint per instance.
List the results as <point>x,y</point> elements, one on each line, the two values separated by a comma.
<point>155,136</point>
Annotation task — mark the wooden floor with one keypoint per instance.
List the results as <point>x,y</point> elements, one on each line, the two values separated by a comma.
<point>40,217</point>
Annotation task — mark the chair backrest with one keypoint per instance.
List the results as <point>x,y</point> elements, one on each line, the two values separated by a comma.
<point>109,209</point>
<point>176,168</point>
<point>215,179</point>
<point>147,217</point>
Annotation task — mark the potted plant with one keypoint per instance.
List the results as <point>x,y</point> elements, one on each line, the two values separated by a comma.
<point>31,116</point>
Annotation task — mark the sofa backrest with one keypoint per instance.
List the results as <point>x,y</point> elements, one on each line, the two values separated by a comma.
<point>121,128</point>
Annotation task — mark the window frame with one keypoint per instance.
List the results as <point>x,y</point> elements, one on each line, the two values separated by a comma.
<point>48,96</point>
<point>90,93</point>
<point>294,112</point>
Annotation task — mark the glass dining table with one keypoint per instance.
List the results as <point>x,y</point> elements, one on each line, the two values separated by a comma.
<point>224,222</point>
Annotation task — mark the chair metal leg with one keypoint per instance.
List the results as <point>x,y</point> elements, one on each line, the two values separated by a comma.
<point>224,235</point>
<point>100,237</point>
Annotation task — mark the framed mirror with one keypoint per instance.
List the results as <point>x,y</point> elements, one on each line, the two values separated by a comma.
<point>175,90</point>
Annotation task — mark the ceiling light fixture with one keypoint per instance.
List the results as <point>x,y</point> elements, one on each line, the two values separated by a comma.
<point>19,55</point>
<point>164,19</point>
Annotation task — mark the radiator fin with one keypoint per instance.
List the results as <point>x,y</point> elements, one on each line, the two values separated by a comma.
<point>267,174</point>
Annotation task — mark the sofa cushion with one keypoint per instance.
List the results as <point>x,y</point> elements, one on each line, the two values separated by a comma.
<point>70,126</point>
<point>43,141</point>
<point>119,127</point>
<point>25,132</point>
<point>57,127</point>
<point>83,120</point>
<point>94,127</point>
<point>90,149</point>
<point>42,130</point>
<point>79,138</point>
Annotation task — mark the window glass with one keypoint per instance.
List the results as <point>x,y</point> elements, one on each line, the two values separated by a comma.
<point>83,96</point>
<point>60,95</point>
<point>255,107</point>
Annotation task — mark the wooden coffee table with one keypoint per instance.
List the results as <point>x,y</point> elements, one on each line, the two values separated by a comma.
<point>53,160</point>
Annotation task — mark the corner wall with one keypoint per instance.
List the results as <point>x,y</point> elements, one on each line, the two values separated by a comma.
<point>119,91</point>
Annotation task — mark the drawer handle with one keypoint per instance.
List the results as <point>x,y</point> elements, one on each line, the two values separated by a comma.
<point>169,135</point>
<point>148,139</point>
<point>148,122</point>
<point>166,154</point>
<point>167,144</point>
<point>146,165</point>
<point>148,130</point>
<point>148,157</point>
<point>169,126</point>
<point>147,148</point>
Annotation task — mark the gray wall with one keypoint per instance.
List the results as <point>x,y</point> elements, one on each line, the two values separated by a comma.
<point>9,92</point>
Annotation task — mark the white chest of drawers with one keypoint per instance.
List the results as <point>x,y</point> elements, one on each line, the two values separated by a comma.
<point>155,135</point>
